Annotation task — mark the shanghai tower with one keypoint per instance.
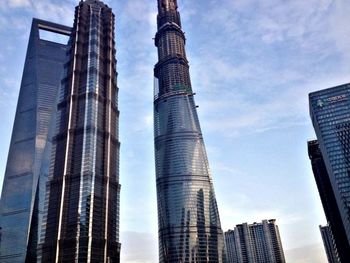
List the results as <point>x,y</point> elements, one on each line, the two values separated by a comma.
<point>188,218</point>
<point>82,222</point>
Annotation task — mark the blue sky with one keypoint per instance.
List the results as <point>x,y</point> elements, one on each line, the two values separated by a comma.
<point>253,62</point>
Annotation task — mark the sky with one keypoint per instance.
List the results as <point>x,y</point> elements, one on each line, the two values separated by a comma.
<point>252,64</point>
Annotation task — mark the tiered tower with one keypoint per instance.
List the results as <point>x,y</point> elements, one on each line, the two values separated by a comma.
<point>82,223</point>
<point>188,218</point>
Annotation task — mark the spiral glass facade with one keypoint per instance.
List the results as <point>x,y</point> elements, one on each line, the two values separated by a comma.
<point>82,222</point>
<point>188,218</point>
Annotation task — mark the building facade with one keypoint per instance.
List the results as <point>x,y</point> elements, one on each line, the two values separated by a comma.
<point>188,218</point>
<point>255,243</point>
<point>330,206</point>
<point>23,193</point>
<point>329,245</point>
<point>330,114</point>
<point>82,209</point>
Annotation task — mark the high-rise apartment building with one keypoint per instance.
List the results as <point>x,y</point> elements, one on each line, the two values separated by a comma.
<point>329,202</point>
<point>254,243</point>
<point>188,218</point>
<point>329,245</point>
<point>82,222</point>
<point>23,193</point>
<point>330,114</point>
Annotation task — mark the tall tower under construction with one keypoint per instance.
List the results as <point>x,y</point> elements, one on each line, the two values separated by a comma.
<point>188,218</point>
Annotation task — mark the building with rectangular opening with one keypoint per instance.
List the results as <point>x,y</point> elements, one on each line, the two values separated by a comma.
<point>23,192</point>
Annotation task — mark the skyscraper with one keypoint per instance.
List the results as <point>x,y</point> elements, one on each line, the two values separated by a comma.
<point>330,114</point>
<point>82,222</point>
<point>255,243</point>
<point>23,193</point>
<point>329,202</point>
<point>188,218</point>
<point>329,244</point>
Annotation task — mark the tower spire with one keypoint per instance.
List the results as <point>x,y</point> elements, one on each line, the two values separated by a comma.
<point>189,224</point>
<point>167,5</point>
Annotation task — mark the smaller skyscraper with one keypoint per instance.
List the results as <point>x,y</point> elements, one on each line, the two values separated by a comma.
<point>255,243</point>
<point>330,115</point>
<point>330,206</point>
<point>329,244</point>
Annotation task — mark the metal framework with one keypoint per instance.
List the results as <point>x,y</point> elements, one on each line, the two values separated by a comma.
<point>188,218</point>
<point>82,223</point>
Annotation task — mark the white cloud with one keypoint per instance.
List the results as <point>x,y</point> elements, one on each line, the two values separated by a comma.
<point>19,3</point>
<point>62,12</point>
<point>139,247</point>
<point>257,74</point>
<point>307,254</point>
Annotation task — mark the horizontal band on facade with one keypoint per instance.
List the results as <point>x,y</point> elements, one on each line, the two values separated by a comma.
<point>171,94</point>
<point>91,94</point>
<point>181,229</point>
<point>76,177</point>
<point>168,27</point>
<point>178,136</point>
<point>27,110</point>
<point>168,179</point>
<point>24,140</point>
<point>79,131</point>
<point>9,256</point>
<point>14,176</point>
<point>15,212</point>
<point>175,59</point>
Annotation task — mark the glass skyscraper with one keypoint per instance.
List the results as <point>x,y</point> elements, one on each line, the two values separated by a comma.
<point>330,114</point>
<point>330,206</point>
<point>255,243</point>
<point>23,193</point>
<point>329,245</point>
<point>82,209</point>
<point>188,218</point>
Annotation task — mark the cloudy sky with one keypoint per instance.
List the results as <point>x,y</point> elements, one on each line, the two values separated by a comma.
<point>253,62</point>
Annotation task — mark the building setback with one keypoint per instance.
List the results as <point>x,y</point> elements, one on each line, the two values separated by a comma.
<point>329,202</point>
<point>23,192</point>
<point>329,244</point>
<point>82,222</point>
<point>330,114</point>
<point>254,243</point>
<point>188,218</point>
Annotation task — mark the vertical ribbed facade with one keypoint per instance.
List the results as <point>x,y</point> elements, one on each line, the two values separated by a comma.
<point>82,223</point>
<point>23,193</point>
<point>231,247</point>
<point>330,115</point>
<point>255,243</point>
<point>329,245</point>
<point>329,203</point>
<point>188,218</point>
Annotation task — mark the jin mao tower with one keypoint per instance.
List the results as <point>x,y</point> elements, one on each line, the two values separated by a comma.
<point>188,218</point>
<point>82,223</point>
